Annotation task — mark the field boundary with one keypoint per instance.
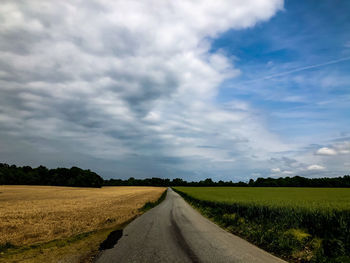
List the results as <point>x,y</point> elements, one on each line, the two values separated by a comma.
<point>296,235</point>
<point>150,205</point>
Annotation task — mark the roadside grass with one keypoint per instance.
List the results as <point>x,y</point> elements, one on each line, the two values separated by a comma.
<point>297,233</point>
<point>149,205</point>
<point>116,207</point>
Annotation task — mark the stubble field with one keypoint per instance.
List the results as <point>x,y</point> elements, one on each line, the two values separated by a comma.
<point>34,215</point>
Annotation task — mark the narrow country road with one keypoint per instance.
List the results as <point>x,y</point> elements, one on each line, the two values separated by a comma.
<point>175,232</point>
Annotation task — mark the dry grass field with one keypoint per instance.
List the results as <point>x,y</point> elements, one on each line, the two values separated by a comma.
<point>39,214</point>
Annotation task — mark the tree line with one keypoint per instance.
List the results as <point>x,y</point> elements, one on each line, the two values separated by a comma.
<point>26,175</point>
<point>296,181</point>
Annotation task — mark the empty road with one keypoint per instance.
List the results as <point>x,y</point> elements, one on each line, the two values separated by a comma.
<point>175,232</point>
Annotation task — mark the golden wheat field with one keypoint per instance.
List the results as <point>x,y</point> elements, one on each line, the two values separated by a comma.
<point>31,214</point>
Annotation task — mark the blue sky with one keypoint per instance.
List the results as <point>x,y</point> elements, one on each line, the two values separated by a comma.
<point>309,102</point>
<point>228,89</point>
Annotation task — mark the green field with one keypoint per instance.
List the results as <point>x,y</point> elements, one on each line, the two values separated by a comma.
<point>310,198</point>
<point>297,224</point>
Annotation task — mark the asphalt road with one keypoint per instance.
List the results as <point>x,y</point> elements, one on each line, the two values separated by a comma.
<point>175,232</point>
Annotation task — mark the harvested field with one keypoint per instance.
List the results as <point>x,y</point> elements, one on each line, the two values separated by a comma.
<point>38,214</point>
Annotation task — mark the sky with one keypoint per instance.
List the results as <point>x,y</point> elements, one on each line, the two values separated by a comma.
<point>231,89</point>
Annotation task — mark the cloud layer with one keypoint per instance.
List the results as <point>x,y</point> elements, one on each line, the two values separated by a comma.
<point>128,88</point>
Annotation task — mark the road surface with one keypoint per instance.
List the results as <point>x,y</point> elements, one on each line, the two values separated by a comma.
<point>175,232</point>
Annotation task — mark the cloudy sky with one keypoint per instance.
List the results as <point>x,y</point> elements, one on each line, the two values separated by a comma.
<point>231,89</point>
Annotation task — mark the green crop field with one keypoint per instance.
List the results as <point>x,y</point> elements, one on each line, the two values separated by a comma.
<point>310,198</point>
<point>297,224</point>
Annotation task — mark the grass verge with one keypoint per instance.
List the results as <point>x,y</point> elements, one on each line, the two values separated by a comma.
<point>296,235</point>
<point>150,205</point>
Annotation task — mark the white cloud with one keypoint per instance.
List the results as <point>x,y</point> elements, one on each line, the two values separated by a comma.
<point>326,151</point>
<point>280,172</point>
<point>315,167</point>
<point>276,170</point>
